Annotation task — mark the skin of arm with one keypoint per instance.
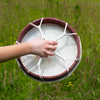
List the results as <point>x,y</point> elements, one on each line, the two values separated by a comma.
<point>43,48</point>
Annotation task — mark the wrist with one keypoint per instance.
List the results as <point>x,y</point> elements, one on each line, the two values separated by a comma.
<point>29,47</point>
<point>26,48</point>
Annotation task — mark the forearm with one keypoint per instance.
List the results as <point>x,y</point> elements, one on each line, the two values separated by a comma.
<point>39,47</point>
<point>13,51</point>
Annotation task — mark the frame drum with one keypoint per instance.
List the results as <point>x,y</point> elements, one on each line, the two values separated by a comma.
<point>67,55</point>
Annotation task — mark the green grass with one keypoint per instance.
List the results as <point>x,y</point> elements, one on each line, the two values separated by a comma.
<point>84,17</point>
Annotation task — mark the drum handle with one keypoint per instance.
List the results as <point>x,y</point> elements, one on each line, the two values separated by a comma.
<point>64,33</point>
<point>64,60</point>
<point>39,27</point>
<point>37,65</point>
<point>57,54</point>
<point>61,36</point>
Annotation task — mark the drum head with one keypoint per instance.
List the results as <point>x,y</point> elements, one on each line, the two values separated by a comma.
<point>66,59</point>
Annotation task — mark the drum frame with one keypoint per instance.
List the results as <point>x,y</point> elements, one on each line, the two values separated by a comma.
<point>37,23</point>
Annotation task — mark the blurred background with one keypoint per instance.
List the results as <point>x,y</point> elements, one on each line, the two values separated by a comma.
<point>84,17</point>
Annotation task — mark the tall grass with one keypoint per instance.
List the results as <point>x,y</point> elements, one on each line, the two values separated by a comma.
<point>83,16</point>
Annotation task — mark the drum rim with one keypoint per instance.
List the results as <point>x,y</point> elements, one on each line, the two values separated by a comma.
<point>55,21</point>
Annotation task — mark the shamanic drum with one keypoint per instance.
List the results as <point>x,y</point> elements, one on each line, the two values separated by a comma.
<point>67,55</point>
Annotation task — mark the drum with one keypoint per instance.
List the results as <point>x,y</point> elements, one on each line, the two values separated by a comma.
<point>67,55</point>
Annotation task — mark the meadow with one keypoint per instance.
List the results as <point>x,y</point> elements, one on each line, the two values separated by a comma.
<point>84,17</point>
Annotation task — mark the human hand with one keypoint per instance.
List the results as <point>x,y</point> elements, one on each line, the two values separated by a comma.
<point>43,48</point>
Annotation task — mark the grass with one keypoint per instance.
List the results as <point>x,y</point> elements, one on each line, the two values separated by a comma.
<point>84,17</point>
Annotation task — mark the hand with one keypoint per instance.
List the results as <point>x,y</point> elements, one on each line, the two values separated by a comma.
<point>43,47</point>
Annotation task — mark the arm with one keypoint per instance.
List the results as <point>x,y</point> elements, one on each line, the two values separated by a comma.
<point>37,46</point>
<point>13,51</point>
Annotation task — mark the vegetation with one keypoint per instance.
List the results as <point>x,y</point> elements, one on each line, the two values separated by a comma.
<point>84,17</point>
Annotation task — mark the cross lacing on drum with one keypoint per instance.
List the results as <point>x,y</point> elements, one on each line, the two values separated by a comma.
<point>56,53</point>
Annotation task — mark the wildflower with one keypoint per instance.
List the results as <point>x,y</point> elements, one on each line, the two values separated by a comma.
<point>36,98</point>
<point>73,74</point>
<point>69,82</point>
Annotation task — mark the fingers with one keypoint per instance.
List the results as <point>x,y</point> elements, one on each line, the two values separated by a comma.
<point>46,56</point>
<point>50,47</point>
<point>47,52</point>
<point>52,42</point>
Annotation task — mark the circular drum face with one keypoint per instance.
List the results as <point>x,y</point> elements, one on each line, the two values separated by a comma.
<point>67,55</point>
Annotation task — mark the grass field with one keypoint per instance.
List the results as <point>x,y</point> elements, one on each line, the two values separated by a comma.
<point>84,17</point>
